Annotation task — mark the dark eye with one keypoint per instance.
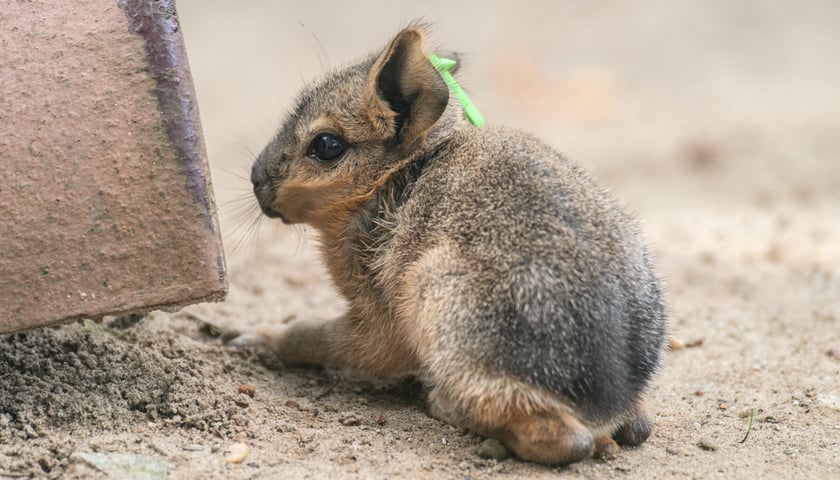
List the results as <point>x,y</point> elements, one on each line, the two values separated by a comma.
<point>326,147</point>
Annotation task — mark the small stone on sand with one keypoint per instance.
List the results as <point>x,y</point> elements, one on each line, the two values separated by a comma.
<point>248,389</point>
<point>236,453</point>
<point>706,443</point>
<point>349,420</point>
<point>675,343</point>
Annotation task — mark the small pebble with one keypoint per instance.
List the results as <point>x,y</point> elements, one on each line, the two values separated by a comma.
<point>706,443</point>
<point>292,404</point>
<point>248,389</point>
<point>236,453</point>
<point>675,343</point>
<point>349,420</point>
<point>492,448</point>
<point>830,401</point>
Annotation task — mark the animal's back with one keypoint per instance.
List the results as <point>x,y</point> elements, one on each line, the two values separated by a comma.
<point>558,290</point>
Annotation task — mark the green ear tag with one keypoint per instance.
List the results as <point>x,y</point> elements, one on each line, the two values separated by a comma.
<point>443,65</point>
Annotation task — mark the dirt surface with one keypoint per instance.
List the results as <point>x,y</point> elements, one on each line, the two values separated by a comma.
<point>717,122</point>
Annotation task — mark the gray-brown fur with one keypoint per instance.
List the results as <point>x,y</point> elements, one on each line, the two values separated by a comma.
<point>479,259</point>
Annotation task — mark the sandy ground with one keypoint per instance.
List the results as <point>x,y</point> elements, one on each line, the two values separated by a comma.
<point>718,123</point>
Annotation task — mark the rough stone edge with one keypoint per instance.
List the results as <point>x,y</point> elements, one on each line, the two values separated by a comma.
<point>156,21</point>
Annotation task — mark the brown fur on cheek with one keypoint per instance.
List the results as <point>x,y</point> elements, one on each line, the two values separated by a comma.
<point>299,201</point>
<point>326,204</point>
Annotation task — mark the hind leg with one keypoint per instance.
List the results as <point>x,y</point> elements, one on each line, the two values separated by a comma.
<point>550,436</point>
<point>635,430</point>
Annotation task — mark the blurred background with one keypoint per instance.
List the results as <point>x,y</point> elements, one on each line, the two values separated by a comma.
<point>737,100</point>
<point>717,122</point>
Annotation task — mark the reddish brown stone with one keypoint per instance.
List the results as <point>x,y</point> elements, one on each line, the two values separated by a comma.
<point>248,389</point>
<point>106,205</point>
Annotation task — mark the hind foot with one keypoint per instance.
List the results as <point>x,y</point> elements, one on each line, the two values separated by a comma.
<point>549,439</point>
<point>551,435</point>
<point>605,447</point>
<point>634,431</point>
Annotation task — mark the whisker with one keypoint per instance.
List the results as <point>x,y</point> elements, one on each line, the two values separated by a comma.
<point>234,173</point>
<point>299,70</point>
<point>323,55</point>
<point>243,214</point>
<point>244,198</point>
<point>301,236</point>
<point>251,154</point>
<point>245,232</point>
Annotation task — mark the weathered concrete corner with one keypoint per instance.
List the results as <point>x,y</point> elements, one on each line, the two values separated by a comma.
<point>106,205</point>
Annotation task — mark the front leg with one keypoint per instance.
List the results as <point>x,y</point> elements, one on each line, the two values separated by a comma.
<point>366,345</point>
<point>302,341</point>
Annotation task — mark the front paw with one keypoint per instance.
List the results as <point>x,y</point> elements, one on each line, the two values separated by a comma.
<point>297,343</point>
<point>266,337</point>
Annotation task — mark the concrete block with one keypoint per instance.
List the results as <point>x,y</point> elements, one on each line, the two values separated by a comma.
<point>106,205</point>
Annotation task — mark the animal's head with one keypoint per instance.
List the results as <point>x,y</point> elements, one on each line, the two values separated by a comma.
<point>348,131</point>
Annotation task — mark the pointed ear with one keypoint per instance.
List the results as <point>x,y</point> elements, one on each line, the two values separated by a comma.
<point>403,85</point>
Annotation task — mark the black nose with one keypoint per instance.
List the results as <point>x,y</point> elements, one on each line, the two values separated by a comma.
<point>259,176</point>
<point>262,189</point>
